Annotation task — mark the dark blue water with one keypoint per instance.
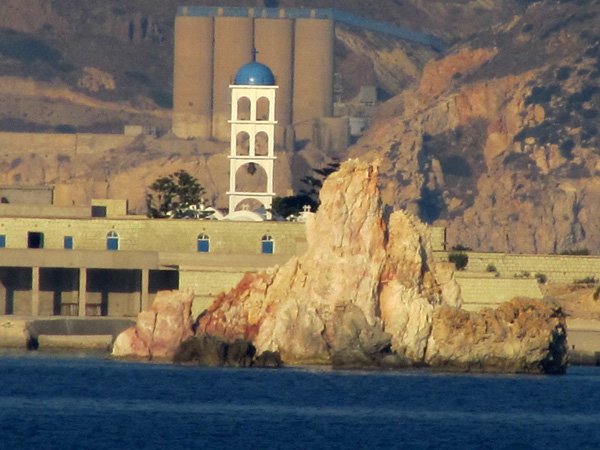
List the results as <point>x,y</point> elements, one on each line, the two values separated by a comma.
<point>86,403</point>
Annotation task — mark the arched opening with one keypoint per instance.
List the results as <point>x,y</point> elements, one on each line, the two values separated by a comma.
<point>203,243</point>
<point>112,240</point>
<point>262,109</point>
<point>267,244</point>
<point>251,177</point>
<point>249,204</point>
<point>261,144</point>
<point>242,144</point>
<point>243,108</point>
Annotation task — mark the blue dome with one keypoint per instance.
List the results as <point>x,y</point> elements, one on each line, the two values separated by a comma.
<point>254,74</point>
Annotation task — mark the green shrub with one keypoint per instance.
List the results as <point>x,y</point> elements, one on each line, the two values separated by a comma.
<point>566,148</point>
<point>597,293</point>
<point>460,260</point>
<point>589,131</point>
<point>461,248</point>
<point>456,165</point>
<point>292,205</point>
<point>542,94</point>
<point>522,274</point>
<point>563,73</point>
<point>589,113</point>
<point>563,117</point>
<point>576,251</point>
<point>491,268</point>
<point>527,28</point>
<point>586,280</point>
<point>541,278</point>
<point>544,133</point>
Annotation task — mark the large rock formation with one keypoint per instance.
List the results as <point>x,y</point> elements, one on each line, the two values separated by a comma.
<point>368,293</point>
<point>159,331</point>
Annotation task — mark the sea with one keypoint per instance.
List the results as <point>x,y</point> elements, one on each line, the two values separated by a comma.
<point>57,401</point>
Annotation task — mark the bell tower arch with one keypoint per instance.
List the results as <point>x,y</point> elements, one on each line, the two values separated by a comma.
<point>253,120</point>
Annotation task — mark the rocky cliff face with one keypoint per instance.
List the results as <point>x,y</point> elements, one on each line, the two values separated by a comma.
<point>499,142</point>
<point>368,293</point>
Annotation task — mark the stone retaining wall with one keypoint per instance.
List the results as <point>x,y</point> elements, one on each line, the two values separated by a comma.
<point>480,292</point>
<point>556,268</point>
<point>46,144</point>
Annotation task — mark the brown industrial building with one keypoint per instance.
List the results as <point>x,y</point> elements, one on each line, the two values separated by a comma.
<point>212,43</point>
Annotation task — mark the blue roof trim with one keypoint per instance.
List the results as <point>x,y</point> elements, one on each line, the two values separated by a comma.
<point>331,14</point>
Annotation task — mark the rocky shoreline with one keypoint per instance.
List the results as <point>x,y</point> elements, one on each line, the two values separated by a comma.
<point>366,294</point>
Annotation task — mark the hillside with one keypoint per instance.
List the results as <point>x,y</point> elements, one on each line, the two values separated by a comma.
<point>500,139</point>
<point>122,51</point>
<point>497,138</point>
<point>95,67</point>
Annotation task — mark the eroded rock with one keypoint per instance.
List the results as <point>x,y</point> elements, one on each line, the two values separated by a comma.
<point>158,332</point>
<point>367,293</point>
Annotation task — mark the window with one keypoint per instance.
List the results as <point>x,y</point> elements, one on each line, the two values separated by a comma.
<point>203,243</point>
<point>35,239</point>
<point>267,244</point>
<point>112,241</point>
<point>2,240</point>
<point>98,211</point>
<point>68,242</point>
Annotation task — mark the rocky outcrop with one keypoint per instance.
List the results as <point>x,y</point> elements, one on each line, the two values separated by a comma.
<point>96,80</point>
<point>499,142</point>
<point>522,335</point>
<point>368,293</point>
<point>159,331</point>
<point>207,350</point>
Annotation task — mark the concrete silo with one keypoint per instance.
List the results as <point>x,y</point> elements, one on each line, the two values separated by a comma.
<point>274,40</point>
<point>233,45</point>
<point>192,78</point>
<point>313,69</point>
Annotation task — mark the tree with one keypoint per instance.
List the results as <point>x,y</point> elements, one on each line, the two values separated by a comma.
<point>175,194</point>
<point>293,205</point>
<point>314,182</point>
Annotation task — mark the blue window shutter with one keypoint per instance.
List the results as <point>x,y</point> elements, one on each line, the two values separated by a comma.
<point>203,245</point>
<point>2,240</point>
<point>68,242</point>
<point>112,243</point>
<point>267,247</point>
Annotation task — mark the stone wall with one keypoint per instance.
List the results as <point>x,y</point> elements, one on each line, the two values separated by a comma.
<point>18,144</point>
<point>557,268</point>
<point>487,291</point>
<point>162,235</point>
<point>38,195</point>
<point>207,283</point>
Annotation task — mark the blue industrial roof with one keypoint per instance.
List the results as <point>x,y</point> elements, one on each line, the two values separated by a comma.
<point>254,74</point>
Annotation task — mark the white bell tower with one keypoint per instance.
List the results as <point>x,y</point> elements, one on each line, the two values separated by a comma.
<point>253,123</point>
